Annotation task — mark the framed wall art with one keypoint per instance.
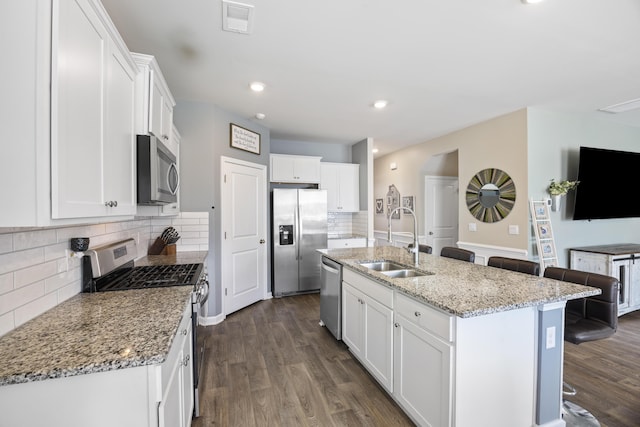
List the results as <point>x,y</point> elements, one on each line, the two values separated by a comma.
<point>244,139</point>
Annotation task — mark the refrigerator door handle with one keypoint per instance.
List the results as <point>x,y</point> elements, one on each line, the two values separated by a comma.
<point>296,220</point>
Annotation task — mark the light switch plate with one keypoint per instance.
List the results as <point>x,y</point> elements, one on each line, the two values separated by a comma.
<point>551,337</point>
<point>472,226</point>
<point>514,229</point>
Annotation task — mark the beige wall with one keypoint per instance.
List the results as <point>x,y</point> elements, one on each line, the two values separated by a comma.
<point>497,143</point>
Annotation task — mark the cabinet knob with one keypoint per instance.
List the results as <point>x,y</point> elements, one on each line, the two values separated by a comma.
<point>185,332</point>
<point>397,325</point>
<point>262,241</point>
<point>417,314</point>
<point>186,360</point>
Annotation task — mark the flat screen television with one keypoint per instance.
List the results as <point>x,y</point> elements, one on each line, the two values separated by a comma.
<point>609,181</point>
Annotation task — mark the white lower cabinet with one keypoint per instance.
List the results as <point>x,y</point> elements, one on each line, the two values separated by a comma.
<point>441,369</point>
<point>368,325</point>
<point>423,369</point>
<point>346,243</point>
<point>145,396</point>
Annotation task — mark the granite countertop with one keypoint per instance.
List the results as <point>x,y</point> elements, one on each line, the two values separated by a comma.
<point>98,332</point>
<point>461,288</point>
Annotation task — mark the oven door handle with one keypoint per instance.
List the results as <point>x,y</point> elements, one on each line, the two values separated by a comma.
<point>203,296</point>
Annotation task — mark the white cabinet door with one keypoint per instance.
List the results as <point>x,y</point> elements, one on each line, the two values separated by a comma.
<point>167,119</point>
<point>422,377</point>
<point>378,341</point>
<point>119,158</point>
<point>297,169</point>
<point>341,180</point>
<point>170,407</point>
<point>77,97</point>
<point>156,105</point>
<point>353,319</point>
<point>187,380</point>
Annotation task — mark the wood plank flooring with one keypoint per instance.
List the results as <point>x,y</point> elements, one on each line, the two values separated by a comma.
<point>606,374</point>
<point>271,364</point>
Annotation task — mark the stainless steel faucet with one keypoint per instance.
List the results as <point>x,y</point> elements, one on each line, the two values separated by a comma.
<point>414,249</point>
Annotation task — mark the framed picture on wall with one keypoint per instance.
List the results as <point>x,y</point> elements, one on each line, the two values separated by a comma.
<point>544,231</point>
<point>548,250</point>
<point>244,139</point>
<point>407,202</point>
<point>379,206</point>
<point>540,210</point>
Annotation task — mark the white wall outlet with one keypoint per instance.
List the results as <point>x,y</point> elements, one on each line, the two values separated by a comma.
<point>514,229</point>
<point>472,226</point>
<point>551,337</point>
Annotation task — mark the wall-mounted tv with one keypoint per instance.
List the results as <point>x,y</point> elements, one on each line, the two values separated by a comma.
<point>609,183</point>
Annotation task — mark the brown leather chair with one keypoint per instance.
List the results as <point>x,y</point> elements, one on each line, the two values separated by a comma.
<point>586,319</point>
<point>513,264</point>
<point>457,253</point>
<point>422,248</point>
<point>592,318</point>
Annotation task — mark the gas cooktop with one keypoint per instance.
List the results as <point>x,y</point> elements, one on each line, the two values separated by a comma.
<point>150,276</point>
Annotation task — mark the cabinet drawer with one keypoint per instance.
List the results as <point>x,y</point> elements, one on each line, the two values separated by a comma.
<point>380,293</point>
<point>425,317</point>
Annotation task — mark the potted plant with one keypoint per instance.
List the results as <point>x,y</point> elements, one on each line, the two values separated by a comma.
<point>559,189</point>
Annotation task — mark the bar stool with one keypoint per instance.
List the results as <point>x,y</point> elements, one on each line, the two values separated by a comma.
<point>586,319</point>
<point>422,248</point>
<point>513,264</point>
<point>457,253</point>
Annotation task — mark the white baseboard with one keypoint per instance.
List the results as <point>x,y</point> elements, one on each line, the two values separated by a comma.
<point>211,320</point>
<point>484,252</point>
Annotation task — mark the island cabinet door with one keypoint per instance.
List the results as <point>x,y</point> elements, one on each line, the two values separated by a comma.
<point>353,319</point>
<point>422,377</point>
<point>378,342</point>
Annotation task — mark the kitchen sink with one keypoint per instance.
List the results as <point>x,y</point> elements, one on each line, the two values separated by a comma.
<point>383,266</point>
<point>399,274</point>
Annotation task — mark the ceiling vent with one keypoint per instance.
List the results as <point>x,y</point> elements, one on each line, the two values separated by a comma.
<point>237,17</point>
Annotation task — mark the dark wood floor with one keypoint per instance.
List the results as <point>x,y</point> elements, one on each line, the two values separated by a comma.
<point>271,364</point>
<point>606,374</point>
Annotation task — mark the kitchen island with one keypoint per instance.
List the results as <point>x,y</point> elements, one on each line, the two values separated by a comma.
<point>462,345</point>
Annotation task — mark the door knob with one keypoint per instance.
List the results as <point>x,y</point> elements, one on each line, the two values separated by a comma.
<point>431,233</point>
<point>262,241</point>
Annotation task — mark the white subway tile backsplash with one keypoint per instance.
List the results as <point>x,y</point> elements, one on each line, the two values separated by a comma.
<point>6,323</point>
<point>34,308</point>
<point>33,239</point>
<point>36,274</point>
<point>6,243</point>
<point>6,283</point>
<point>16,260</point>
<point>16,298</point>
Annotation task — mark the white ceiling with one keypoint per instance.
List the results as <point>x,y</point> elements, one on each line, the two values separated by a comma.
<point>442,65</point>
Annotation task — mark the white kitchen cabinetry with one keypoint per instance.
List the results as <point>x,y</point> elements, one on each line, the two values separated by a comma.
<point>368,325</point>
<point>621,261</point>
<point>342,182</point>
<point>423,362</point>
<point>154,102</point>
<point>359,242</point>
<point>441,369</point>
<point>144,396</point>
<point>295,169</point>
<point>92,131</point>
<point>72,123</point>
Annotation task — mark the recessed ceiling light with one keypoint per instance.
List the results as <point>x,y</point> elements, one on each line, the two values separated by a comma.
<point>375,150</point>
<point>257,86</point>
<point>532,1</point>
<point>260,116</point>
<point>622,107</point>
<point>380,104</point>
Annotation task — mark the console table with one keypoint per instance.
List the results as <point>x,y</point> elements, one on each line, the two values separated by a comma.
<point>621,260</point>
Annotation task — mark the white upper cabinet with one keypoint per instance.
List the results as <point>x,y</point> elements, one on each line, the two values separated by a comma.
<point>342,182</point>
<point>73,133</point>
<point>295,169</point>
<point>154,109</point>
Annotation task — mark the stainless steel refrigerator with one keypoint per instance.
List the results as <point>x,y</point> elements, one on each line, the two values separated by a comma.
<point>299,219</point>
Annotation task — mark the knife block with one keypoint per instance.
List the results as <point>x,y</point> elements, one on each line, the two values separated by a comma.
<point>169,249</point>
<point>157,247</point>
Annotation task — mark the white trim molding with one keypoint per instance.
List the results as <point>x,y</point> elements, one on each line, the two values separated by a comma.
<point>484,252</point>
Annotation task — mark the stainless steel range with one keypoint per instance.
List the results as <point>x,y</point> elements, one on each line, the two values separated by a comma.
<point>111,268</point>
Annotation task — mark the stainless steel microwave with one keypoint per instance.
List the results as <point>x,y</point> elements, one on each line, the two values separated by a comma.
<point>158,177</point>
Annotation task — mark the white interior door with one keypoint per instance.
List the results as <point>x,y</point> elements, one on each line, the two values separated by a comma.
<point>441,211</point>
<point>244,233</point>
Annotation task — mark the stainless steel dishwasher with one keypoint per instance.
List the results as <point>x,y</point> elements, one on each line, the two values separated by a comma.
<point>331,296</point>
